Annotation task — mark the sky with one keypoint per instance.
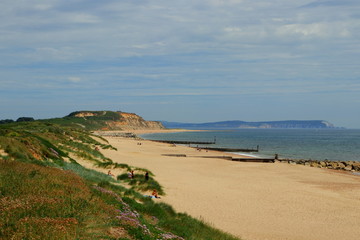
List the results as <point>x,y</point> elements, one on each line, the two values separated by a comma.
<point>184,61</point>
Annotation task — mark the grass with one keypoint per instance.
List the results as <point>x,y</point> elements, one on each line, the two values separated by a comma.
<point>96,122</point>
<point>40,190</point>
<point>34,197</point>
<point>44,141</point>
<point>139,183</point>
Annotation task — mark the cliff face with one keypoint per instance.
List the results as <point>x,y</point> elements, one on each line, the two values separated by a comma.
<point>108,120</point>
<point>131,121</point>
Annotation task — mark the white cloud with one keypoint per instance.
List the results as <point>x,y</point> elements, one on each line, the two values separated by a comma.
<point>184,47</point>
<point>226,2</point>
<point>43,7</point>
<point>53,54</point>
<point>315,30</point>
<point>74,79</point>
<point>304,30</point>
<point>82,18</point>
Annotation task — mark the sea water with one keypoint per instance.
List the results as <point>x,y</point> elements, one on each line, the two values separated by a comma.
<point>315,144</point>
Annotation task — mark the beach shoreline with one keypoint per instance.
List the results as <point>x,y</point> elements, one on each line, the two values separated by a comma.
<point>250,200</point>
<point>348,166</point>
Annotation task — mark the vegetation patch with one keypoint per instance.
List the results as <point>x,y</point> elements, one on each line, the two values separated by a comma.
<point>48,142</point>
<point>40,190</point>
<point>33,196</point>
<point>139,183</point>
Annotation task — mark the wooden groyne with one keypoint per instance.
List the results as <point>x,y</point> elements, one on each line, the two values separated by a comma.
<point>230,158</point>
<point>183,142</point>
<point>221,157</point>
<point>174,155</point>
<point>232,149</point>
<point>263,160</point>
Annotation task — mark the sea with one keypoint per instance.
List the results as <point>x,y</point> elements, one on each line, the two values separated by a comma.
<point>314,144</point>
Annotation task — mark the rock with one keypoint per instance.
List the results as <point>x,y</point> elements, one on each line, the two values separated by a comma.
<point>300,162</point>
<point>341,165</point>
<point>334,165</point>
<point>338,165</point>
<point>315,164</point>
<point>349,167</point>
<point>356,166</point>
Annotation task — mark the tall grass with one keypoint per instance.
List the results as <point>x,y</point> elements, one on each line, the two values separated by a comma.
<point>33,197</point>
<point>139,183</point>
<point>38,190</point>
<point>49,142</point>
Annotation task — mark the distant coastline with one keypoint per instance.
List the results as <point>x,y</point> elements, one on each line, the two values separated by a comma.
<point>237,124</point>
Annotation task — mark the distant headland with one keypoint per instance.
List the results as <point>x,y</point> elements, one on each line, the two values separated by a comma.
<point>242,124</point>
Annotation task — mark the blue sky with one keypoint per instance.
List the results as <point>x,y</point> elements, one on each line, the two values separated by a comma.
<point>186,61</point>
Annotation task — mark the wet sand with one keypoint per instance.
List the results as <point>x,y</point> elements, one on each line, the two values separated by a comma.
<point>255,201</point>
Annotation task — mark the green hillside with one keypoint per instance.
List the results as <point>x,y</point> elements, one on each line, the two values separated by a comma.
<point>95,122</point>
<point>46,194</point>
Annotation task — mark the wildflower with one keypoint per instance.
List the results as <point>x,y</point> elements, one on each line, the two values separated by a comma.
<point>170,236</point>
<point>126,215</point>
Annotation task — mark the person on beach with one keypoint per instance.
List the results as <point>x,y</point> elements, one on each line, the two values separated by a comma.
<point>154,194</point>
<point>132,174</point>
<point>110,174</point>
<point>146,176</point>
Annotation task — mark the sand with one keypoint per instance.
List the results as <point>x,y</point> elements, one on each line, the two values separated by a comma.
<point>254,201</point>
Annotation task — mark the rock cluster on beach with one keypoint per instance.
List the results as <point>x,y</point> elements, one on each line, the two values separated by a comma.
<point>336,165</point>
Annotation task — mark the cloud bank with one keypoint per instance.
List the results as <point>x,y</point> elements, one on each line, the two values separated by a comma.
<point>299,58</point>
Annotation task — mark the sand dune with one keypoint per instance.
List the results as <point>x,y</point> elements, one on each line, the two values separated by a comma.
<point>255,201</point>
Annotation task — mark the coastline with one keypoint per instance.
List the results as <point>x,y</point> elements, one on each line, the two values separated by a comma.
<point>148,131</point>
<point>287,201</point>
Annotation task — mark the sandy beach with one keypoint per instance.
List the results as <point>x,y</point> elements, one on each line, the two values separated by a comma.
<point>254,201</point>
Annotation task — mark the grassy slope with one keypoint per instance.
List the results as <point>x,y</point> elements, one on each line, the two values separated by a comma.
<point>39,189</point>
<point>89,122</point>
